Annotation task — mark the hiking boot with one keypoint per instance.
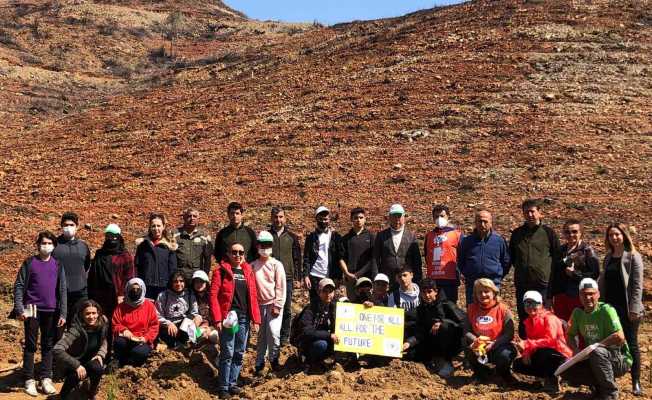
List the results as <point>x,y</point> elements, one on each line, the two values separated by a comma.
<point>222,394</point>
<point>48,387</point>
<point>275,365</point>
<point>446,369</point>
<point>551,385</point>
<point>258,371</point>
<point>30,387</point>
<point>235,390</point>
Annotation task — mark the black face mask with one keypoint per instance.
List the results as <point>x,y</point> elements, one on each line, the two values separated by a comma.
<point>322,225</point>
<point>134,294</point>
<point>112,242</point>
<point>362,297</point>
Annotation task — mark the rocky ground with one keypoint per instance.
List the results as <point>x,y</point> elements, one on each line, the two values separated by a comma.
<point>160,105</point>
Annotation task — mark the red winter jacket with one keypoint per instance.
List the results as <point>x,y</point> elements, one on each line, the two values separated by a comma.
<point>141,320</point>
<point>545,330</point>
<point>223,287</point>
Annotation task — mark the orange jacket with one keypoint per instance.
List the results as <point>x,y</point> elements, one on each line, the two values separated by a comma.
<point>545,330</point>
<point>441,253</point>
<point>487,322</point>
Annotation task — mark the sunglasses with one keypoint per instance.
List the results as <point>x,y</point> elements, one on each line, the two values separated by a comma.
<point>237,252</point>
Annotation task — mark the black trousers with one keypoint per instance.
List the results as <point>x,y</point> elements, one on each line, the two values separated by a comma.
<point>501,356</point>
<point>447,343</point>
<point>172,341</point>
<point>314,287</point>
<point>46,322</point>
<point>630,329</point>
<point>287,312</point>
<point>543,363</point>
<point>74,299</point>
<point>94,372</point>
<point>129,352</point>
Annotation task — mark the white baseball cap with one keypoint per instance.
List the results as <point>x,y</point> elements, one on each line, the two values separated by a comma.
<point>265,236</point>
<point>588,283</point>
<point>326,282</point>
<point>199,274</point>
<point>396,209</point>
<point>322,209</point>
<point>533,295</point>
<point>381,278</point>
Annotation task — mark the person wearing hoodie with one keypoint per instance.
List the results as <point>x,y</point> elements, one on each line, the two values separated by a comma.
<point>489,330</point>
<point>75,256</point>
<point>406,296</point>
<point>439,330</point>
<point>579,261</point>
<point>83,348</point>
<point>135,325</point>
<point>201,291</point>
<point>233,292</point>
<point>545,348</point>
<point>440,249</point>
<point>110,270</point>
<point>156,259</point>
<point>40,302</point>
<point>173,306</point>
<point>270,284</point>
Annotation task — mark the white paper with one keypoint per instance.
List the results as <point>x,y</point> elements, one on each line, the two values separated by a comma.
<point>188,326</point>
<point>581,356</point>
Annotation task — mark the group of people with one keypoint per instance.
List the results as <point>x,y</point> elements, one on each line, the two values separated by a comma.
<point>115,306</point>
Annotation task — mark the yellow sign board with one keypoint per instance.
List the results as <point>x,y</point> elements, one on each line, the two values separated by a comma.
<point>375,330</point>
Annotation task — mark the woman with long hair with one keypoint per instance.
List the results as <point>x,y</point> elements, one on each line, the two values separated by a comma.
<point>156,259</point>
<point>621,286</point>
<point>83,348</point>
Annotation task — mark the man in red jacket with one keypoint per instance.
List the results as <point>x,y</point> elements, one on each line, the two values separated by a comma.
<point>233,291</point>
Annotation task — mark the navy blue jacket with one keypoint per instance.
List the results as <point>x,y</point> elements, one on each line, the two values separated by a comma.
<point>478,258</point>
<point>155,264</point>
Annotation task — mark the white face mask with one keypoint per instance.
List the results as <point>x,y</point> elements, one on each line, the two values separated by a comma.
<point>441,222</point>
<point>46,249</point>
<point>69,231</point>
<point>265,252</point>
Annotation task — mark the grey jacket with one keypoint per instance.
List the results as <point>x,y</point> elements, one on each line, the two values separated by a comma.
<point>174,307</point>
<point>75,257</point>
<point>22,283</point>
<point>632,272</point>
<point>73,344</point>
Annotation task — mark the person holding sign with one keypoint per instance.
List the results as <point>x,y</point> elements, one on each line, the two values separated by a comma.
<point>440,249</point>
<point>545,348</point>
<point>439,331</point>
<point>597,324</point>
<point>489,331</point>
<point>317,323</point>
<point>379,292</point>
<point>406,296</point>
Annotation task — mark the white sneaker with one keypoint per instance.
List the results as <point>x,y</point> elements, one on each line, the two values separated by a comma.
<point>48,387</point>
<point>30,387</point>
<point>446,370</point>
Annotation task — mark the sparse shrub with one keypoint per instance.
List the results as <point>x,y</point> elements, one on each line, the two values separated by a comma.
<point>161,55</point>
<point>108,28</point>
<point>7,38</point>
<point>138,32</point>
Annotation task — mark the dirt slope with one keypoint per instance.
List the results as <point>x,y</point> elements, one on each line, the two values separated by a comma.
<point>484,103</point>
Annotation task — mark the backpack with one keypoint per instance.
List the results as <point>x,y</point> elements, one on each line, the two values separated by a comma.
<point>296,328</point>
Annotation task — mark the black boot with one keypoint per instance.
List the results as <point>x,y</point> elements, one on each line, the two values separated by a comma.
<point>636,387</point>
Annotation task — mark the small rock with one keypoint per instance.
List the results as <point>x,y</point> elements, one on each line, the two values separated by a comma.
<point>397,166</point>
<point>88,227</point>
<point>17,241</point>
<point>549,96</point>
<point>632,230</point>
<point>114,216</point>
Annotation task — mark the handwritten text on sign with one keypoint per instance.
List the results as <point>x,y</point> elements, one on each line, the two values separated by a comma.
<point>375,330</point>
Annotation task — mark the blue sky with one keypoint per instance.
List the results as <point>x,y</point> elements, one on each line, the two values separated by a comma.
<point>330,11</point>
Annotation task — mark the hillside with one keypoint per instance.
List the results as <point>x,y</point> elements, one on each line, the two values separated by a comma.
<point>484,103</point>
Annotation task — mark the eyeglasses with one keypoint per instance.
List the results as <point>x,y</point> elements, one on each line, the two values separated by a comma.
<point>237,252</point>
<point>530,303</point>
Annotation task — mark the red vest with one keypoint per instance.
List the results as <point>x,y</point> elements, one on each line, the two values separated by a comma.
<point>487,322</point>
<point>441,253</point>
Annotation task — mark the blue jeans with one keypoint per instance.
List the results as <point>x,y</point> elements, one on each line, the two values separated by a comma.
<point>232,349</point>
<point>318,351</point>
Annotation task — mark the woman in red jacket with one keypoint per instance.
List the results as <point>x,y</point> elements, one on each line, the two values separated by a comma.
<point>545,348</point>
<point>233,291</point>
<point>135,325</point>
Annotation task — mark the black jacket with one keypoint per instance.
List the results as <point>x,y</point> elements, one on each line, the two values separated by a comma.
<point>388,260</point>
<point>585,264</point>
<point>442,310</point>
<point>311,251</point>
<point>155,264</point>
<point>318,323</point>
<point>229,235</point>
